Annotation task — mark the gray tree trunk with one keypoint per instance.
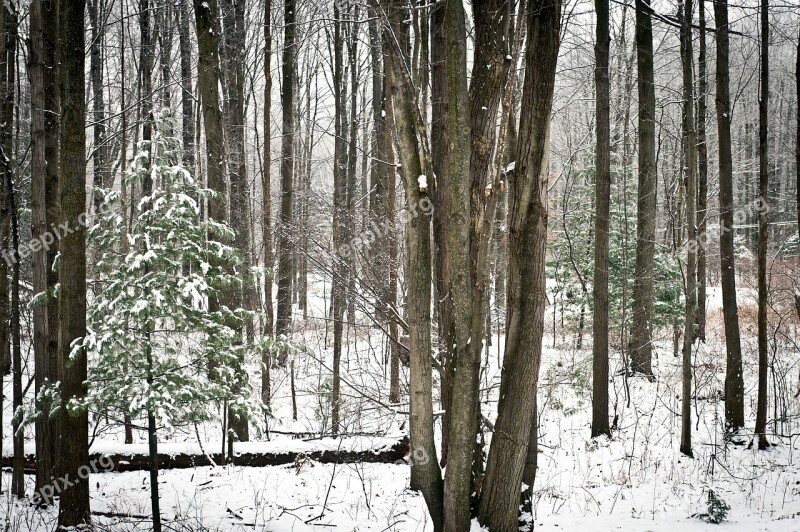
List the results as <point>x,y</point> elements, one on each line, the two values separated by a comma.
<point>734,383</point>
<point>602,208</point>
<point>499,505</point>
<point>641,330</point>
<point>73,509</point>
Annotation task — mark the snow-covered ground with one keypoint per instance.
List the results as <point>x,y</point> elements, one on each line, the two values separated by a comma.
<point>636,480</point>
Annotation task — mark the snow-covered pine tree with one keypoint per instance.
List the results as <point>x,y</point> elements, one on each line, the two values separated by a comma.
<point>154,346</point>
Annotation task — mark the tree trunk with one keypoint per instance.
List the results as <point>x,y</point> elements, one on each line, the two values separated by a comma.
<point>285,271</point>
<point>439,147</point>
<point>763,209</point>
<point>641,330</point>
<point>734,384</point>
<point>44,204</point>
<point>187,103</point>
<point>234,43</point>
<point>74,448</point>
<point>603,198</point>
<point>100,155</point>
<point>340,212</point>
<point>266,205</point>
<point>691,226</point>
<point>499,505</point>
<point>702,175</point>
<point>11,177</point>
<point>425,472</point>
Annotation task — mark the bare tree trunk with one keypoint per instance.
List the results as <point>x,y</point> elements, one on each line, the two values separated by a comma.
<point>734,384</point>
<point>10,168</point>
<point>234,43</point>
<point>100,155</point>
<point>266,205</point>
<point>763,209</point>
<point>439,147</point>
<point>641,330</point>
<point>44,204</point>
<point>702,190</point>
<point>340,212</point>
<point>187,114</point>
<point>499,505</point>
<point>603,198</point>
<point>691,226</point>
<point>797,165</point>
<point>285,271</point>
<point>74,445</point>
<point>425,472</point>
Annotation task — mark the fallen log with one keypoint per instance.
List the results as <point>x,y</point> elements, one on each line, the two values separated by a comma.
<point>139,461</point>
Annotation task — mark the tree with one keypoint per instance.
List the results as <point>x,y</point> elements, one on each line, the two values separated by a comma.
<point>499,505</point>
<point>187,95</point>
<point>11,177</point>
<point>641,329</point>
<point>687,56</point>
<point>285,262</point>
<point>266,206</point>
<point>602,208</point>
<point>415,162</point>
<point>44,204</point>
<point>734,384</point>
<point>153,334</point>
<point>233,23</point>
<point>340,211</point>
<point>100,154</point>
<point>702,175</point>
<point>763,208</point>
<point>73,509</point>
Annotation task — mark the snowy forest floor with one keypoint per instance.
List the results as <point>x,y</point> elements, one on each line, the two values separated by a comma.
<point>637,480</point>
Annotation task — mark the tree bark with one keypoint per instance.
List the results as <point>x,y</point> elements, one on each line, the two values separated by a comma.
<point>266,205</point>
<point>340,212</point>
<point>425,472</point>
<point>100,154</point>
<point>641,330</point>
<point>499,505</point>
<point>187,102</point>
<point>285,271</point>
<point>602,209</point>
<point>234,43</point>
<point>702,175</point>
<point>44,203</point>
<point>763,209</point>
<point>74,504</point>
<point>691,226</point>
<point>734,384</point>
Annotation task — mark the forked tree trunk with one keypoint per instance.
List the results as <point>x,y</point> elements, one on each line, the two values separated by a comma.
<point>425,472</point>
<point>74,446</point>
<point>499,505</point>
<point>641,330</point>
<point>734,383</point>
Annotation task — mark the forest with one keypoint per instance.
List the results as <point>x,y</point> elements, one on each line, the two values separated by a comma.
<point>389,265</point>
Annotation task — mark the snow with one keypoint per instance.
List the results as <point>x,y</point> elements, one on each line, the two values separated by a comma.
<point>637,480</point>
<point>422,181</point>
